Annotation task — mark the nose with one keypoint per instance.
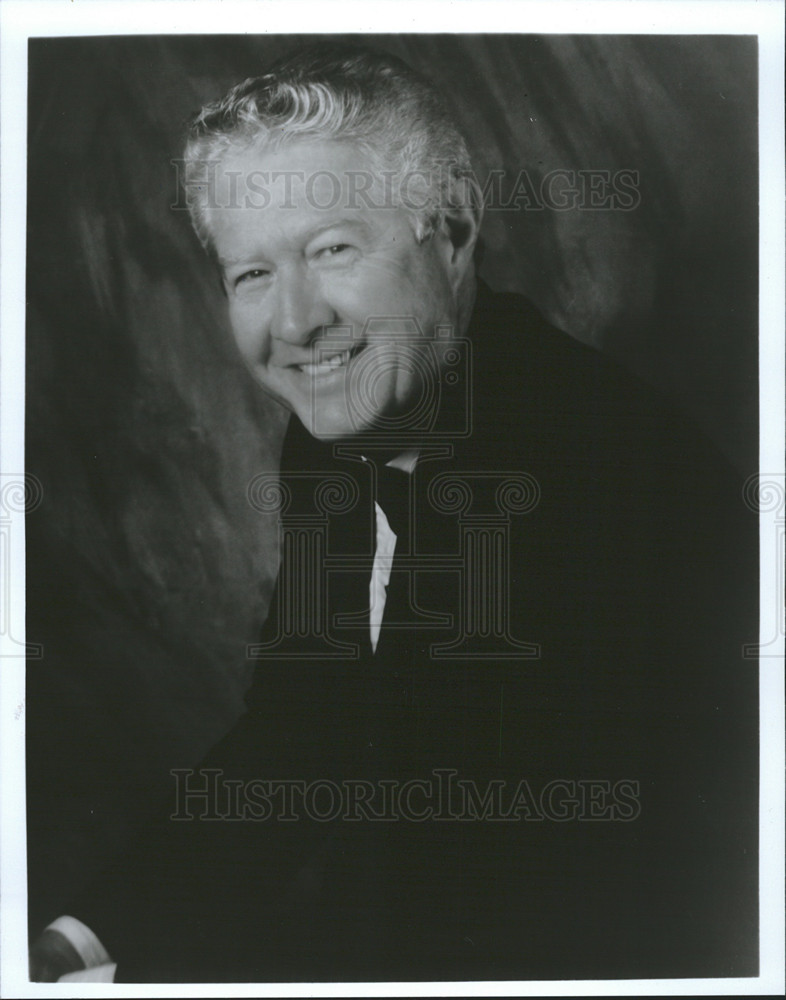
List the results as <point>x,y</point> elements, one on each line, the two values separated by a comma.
<point>301,308</point>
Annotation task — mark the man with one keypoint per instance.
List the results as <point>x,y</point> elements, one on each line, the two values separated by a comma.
<point>509,616</point>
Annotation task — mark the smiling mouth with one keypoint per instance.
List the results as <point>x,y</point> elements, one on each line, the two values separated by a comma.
<point>333,363</point>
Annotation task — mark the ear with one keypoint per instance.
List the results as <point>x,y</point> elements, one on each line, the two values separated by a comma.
<point>460,227</point>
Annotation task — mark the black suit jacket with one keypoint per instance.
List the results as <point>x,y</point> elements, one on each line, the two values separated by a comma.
<point>560,670</point>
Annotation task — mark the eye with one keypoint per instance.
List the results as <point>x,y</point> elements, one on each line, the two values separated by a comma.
<point>337,255</point>
<point>253,275</point>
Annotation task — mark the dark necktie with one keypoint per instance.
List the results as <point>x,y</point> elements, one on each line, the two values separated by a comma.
<point>393,496</point>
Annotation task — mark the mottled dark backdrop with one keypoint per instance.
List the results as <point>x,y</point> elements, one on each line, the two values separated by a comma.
<point>148,570</point>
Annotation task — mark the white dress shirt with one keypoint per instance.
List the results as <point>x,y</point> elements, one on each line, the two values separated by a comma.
<point>380,573</point>
<point>385,548</point>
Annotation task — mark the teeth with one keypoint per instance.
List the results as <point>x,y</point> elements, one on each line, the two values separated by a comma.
<point>327,365</point>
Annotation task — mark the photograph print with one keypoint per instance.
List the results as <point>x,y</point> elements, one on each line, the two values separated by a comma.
<point>392,589</point>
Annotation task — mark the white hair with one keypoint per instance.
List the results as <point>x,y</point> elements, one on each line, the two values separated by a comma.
<point>339,92</point>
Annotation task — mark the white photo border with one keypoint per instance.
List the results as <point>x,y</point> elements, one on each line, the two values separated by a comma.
<point>20,21</point>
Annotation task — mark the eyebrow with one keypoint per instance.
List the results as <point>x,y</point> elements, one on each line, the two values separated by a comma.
<point>360,224</point>
<point>338,224</point>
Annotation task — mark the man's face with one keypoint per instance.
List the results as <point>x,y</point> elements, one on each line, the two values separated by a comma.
<point>334,304</point>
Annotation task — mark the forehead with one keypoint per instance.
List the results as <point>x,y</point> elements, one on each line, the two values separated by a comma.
<point>293,190</point>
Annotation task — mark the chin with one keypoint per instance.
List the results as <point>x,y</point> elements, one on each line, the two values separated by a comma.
<point>332,436</point>
<point>328,430</point>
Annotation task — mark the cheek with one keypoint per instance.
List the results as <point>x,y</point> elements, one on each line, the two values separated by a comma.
<point>378,286</point>
<point>251,333</point>
<point>359,296</point>
<point>422,289</point>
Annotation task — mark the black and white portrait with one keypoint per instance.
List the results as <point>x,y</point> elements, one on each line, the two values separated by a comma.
<point>393,493</point>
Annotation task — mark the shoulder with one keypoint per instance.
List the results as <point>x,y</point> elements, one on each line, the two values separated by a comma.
<point>626,483</point>
<point>527,366</point>
<point>543,396</point>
